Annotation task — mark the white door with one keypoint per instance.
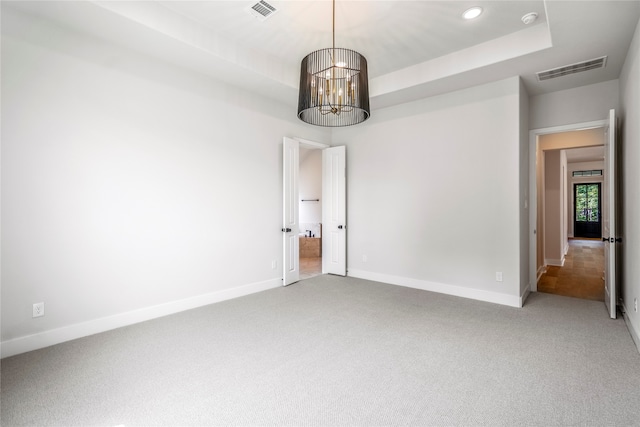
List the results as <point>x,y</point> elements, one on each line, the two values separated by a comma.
<point>609,215</point>
<point>334,211</point>
<point>290,167</point>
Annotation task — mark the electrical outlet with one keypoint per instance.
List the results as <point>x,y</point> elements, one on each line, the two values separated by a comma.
<point>274,264</point>
<point>635,305</point>
<point>498,276</point>
<point>364,258</point>
<point>38,309</point>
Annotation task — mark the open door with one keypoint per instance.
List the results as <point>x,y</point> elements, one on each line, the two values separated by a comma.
<point>334,211</point>
<point>609,216</point>
<point>290,226</point>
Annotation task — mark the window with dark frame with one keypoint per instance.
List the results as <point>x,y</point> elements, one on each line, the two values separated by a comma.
<point>595,172</point>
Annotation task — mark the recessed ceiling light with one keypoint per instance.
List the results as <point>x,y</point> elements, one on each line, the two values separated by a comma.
<point>530,18</point>
<point>472,13</point>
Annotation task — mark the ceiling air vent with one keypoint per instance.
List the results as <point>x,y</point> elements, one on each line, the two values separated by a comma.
<point>261,10</point>
<point>572,69</point>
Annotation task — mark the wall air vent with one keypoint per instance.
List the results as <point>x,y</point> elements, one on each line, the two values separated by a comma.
<point>261,10</point>
<point>572,69</point>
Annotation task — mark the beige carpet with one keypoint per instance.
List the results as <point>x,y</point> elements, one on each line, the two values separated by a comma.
<point>331,351</point>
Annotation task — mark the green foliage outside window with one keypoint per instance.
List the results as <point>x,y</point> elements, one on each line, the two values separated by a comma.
<point>587,203</point>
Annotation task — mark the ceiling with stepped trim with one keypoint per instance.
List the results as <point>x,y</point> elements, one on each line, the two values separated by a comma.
<point>414,48</point>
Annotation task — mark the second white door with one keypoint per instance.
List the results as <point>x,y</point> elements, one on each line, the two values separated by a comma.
<point>334,211</point>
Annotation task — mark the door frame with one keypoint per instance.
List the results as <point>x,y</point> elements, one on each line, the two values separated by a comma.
<point>610,219</point>
<point>534,135</point>
<point>304,143</point>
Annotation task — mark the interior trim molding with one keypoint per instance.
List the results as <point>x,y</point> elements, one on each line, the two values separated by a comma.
<point>541,271</point>
<point>458,291</point>
<point>67,333</point>
<point>307,143</point>
<point>555,262</point>
<point>525,294</point>
<point>635,335</point>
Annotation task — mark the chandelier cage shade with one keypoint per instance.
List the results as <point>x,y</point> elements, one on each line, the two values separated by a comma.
<point>334,88</point>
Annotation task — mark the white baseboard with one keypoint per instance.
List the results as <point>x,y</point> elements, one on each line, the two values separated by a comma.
<point>459,291</point>
<point>540,272</point>
<point>534,287</point>
<point>635,335</point>
<point>525,294</point>
<point>556,262</point>
<point>79,330</point>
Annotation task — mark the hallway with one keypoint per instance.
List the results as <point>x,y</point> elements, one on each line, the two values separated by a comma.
<point>581,275</point>
<point>310,267</point>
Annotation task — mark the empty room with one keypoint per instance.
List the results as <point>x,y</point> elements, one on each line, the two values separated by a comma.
<point>327,212</point>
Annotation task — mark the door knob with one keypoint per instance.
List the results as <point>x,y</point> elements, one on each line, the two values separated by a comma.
<point>286,230</point>
<point>612,239</point>
<point>339,227</point>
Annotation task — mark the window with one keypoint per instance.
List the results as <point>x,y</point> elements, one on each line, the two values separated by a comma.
<point>587,202</point>
<point>588,173</point>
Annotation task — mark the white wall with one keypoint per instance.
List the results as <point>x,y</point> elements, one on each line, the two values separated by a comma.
<point>630,153</point>
<point>525,232</point>
<point>578,105</point>
<point>310,188</point>
<point>434,193</point>
<point>554,224</point>
<point>131,188</point>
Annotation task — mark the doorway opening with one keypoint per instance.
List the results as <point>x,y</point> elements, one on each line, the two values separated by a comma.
<point>310,211</point>
<point>603,134</point>
<point>557,253</point>
<point>332,231</point>
<point>571,264</point>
